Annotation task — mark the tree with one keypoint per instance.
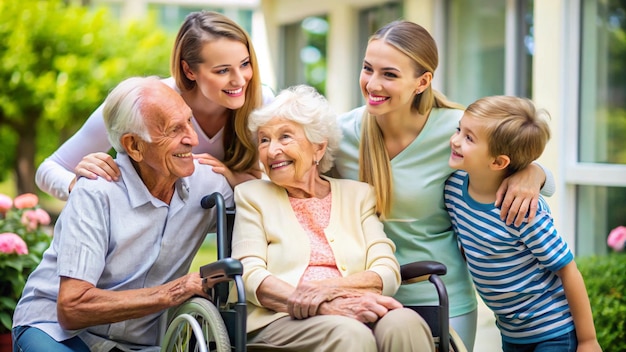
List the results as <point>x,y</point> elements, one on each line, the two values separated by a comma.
<point>57,63</point>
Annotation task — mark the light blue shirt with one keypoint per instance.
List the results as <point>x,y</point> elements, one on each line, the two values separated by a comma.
<point>117,236</point>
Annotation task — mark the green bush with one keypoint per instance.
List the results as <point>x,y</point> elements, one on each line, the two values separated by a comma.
<point>605,279</point>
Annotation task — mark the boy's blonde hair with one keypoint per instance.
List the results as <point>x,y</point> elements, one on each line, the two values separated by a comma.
<point>515,128</point>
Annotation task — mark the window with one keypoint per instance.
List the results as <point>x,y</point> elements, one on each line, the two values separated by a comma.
<point>172,16</point>
<point>603,83</point>
<point>489,49</point>
<point>601,209</point>
<point>371,20</point>
<point>304,48</point>
<point>600,169</point>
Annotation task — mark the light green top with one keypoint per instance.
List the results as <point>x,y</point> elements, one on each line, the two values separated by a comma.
<point>418,223</point>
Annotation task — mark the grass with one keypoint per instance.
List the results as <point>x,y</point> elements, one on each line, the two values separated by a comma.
<point>207,254</point>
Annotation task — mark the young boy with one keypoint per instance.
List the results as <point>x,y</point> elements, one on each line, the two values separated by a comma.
<point>526,275</point>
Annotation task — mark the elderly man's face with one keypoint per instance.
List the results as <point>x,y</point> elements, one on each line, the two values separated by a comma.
<point>168,157</point>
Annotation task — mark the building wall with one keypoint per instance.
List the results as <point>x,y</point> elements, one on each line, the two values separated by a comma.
<point>548,83</point>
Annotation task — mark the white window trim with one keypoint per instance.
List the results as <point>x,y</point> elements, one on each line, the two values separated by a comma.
<point>575,173</point>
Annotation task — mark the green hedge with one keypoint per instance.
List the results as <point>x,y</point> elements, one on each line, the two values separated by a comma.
<point>605,279</point>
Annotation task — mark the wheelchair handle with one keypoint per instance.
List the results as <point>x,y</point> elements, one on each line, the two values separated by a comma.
<point>212,200</point>
<point>216,200</point>
<point>417,271</point>
<point>220,271</point>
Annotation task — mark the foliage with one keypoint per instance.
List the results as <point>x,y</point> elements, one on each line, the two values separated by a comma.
<point>57,63</point>
<point>606,286</point>
<point>315,31</point>
<point>22,243</point>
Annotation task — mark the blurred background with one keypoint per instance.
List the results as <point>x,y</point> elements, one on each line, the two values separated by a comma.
<point>58,60</point>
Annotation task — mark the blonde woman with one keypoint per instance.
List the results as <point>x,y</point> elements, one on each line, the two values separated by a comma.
<point>399,143</point>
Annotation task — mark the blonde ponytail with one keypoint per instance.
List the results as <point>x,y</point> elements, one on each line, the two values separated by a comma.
<point>374,164</point>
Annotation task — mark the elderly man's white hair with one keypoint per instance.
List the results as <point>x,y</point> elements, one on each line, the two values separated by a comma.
<point>122,110</point>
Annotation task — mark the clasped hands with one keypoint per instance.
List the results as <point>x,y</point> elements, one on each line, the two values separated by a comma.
<point>311,298</point>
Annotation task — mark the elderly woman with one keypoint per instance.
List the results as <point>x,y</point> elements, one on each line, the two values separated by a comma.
<point>318,268</point>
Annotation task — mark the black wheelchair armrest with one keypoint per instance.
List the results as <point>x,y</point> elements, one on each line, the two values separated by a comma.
<point>420,271</point>
<point>225,269</point>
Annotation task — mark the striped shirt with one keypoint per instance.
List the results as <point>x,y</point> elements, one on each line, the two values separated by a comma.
<point>513,268</point>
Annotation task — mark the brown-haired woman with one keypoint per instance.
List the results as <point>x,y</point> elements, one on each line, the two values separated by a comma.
<point>215,69</point>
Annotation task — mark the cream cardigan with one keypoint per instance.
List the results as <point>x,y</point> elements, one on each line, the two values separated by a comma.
<point>269,240</point>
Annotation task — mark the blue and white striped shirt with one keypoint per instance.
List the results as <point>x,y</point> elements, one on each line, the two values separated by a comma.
<point>513,268</point>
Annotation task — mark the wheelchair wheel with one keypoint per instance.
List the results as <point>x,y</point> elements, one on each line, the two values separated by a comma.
<point>196,326</point>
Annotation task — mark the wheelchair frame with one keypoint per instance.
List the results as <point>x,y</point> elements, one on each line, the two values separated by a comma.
<point>217,325</point>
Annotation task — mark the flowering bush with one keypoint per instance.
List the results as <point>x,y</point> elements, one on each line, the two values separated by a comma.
<point>22,243</point>
<point>617,238</point>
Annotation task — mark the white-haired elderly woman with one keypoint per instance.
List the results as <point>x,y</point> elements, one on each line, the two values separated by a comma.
<point>318,268</point>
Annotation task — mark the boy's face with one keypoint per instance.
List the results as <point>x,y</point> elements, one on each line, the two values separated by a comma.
<point>470,148</point>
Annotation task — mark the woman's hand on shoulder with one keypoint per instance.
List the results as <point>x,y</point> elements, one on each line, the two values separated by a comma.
<point>233,178</point>
<point>96,165</point>
<point>518,195</point>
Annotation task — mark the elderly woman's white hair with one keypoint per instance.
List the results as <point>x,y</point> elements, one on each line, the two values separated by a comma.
<point>305,106</point>
<point>122,110</point>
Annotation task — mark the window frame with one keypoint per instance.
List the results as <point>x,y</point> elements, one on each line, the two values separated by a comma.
<point>576,173</point>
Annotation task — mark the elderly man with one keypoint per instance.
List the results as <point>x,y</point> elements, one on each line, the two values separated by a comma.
<point>122,250</point>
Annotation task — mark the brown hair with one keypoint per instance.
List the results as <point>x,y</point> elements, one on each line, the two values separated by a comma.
<point>515,128</point>
<point>199,28</point>
<point>374,164</point>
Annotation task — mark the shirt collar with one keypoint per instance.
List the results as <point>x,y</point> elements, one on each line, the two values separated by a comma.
<point>138,193</point>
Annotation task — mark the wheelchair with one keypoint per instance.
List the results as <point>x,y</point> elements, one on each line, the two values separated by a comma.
<point>218,325</point>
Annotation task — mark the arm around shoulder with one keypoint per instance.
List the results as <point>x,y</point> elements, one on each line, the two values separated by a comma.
<point>549,186</point>
<point>56,173</point>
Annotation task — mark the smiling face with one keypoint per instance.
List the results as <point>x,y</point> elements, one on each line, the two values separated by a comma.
<point>287,154</point>
<point>168,156</point>
<point>388,79</point>
<point>470,146</point>
<point>224,74</point>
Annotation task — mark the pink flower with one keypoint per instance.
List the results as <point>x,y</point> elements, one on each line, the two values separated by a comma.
<point>12,243</point>
<point>42,216</point>
<point>26,200</point>
<point>30,219</point>
<point>5,203</point>
<point>617,238</point>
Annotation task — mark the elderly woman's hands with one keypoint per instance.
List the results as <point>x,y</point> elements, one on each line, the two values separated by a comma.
<point>366,308</point>
<point>306,299</point>
<point>233,178</point>
<point>314,298</point>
